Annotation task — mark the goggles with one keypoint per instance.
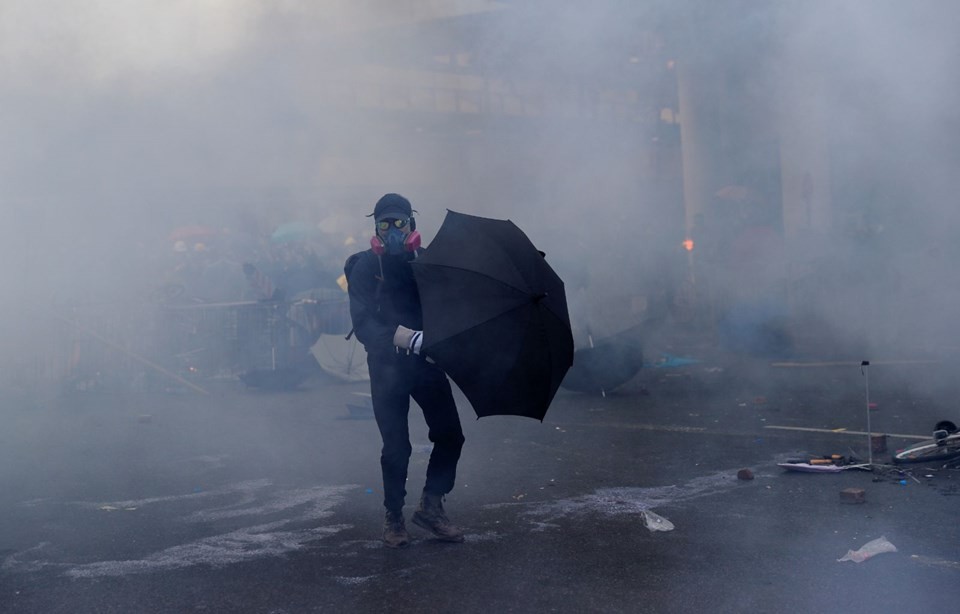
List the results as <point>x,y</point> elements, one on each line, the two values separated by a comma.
<point>385,225</point>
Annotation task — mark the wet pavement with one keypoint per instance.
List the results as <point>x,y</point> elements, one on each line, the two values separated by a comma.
<point>242,501</point>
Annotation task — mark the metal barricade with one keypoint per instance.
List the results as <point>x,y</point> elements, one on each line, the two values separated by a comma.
<point>146,345</point>
<point>83,346</point>
<point>226,339</point>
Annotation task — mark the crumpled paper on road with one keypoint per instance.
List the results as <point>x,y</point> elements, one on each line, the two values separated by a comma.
<point>869,549</point>
<point>656,522</point>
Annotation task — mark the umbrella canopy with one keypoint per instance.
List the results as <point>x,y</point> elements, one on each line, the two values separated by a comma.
<point>494,315</point>
<point>342,358</point>
<point>605,366</point>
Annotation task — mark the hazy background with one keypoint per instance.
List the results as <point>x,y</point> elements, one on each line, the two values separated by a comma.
<point>123,121</point>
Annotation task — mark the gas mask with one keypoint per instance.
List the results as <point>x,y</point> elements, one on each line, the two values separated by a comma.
<point>394,242</point>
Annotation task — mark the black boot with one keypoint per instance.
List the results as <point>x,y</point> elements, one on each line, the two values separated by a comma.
<point>430,516</point>
<point>395,530</point>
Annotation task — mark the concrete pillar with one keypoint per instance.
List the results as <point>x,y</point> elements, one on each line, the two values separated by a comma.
<point>698,86</point>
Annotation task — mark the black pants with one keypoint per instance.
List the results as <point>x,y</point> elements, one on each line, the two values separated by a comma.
<point>394,378</point>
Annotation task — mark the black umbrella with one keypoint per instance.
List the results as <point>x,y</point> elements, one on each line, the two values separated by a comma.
<point>494,315</point>
<point>608,364</point>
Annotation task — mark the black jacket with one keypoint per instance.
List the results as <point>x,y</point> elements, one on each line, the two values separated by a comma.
<point>379,304</point>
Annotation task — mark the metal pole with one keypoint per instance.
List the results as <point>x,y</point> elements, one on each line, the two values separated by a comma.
<point>865,369</point>
<point>603,392</point>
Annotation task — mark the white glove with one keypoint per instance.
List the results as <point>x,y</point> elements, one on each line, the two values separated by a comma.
<point>408,339</point>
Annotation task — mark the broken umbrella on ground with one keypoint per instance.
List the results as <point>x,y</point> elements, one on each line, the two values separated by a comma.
<point>833,463</point>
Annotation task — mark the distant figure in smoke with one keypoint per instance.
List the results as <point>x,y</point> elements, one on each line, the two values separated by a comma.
<point>388,321</point>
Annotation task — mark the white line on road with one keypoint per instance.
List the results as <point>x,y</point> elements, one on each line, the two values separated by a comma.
<point>672,428</point>
<point>842,431</point>
<point>851,363</point>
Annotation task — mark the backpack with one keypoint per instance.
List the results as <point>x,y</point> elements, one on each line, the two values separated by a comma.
<point>350,264</point>
<point>348,267</point>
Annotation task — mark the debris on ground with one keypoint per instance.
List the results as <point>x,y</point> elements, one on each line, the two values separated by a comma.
<point>894,474</point>
<point>853,495</point>
<point>810,468</point>
<point>868,550</point>
<point>655,522</point>
<point>744,474</point>
<point>831,463</point>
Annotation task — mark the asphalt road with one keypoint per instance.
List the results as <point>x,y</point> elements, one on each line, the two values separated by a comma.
<point>242,501</point>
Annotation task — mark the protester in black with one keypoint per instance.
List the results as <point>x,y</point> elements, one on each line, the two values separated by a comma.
<point>388,321</point>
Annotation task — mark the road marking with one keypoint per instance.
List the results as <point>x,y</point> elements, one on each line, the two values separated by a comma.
<point>842,431</point>
<point>699,429</point>
<point>852,363</point>
<point>932,562</point>
<point>647,427</point>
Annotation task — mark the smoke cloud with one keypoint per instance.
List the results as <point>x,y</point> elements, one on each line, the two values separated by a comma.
<point>123,122</point>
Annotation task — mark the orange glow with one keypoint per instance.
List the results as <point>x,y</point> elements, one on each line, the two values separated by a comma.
<point>687,244</point>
